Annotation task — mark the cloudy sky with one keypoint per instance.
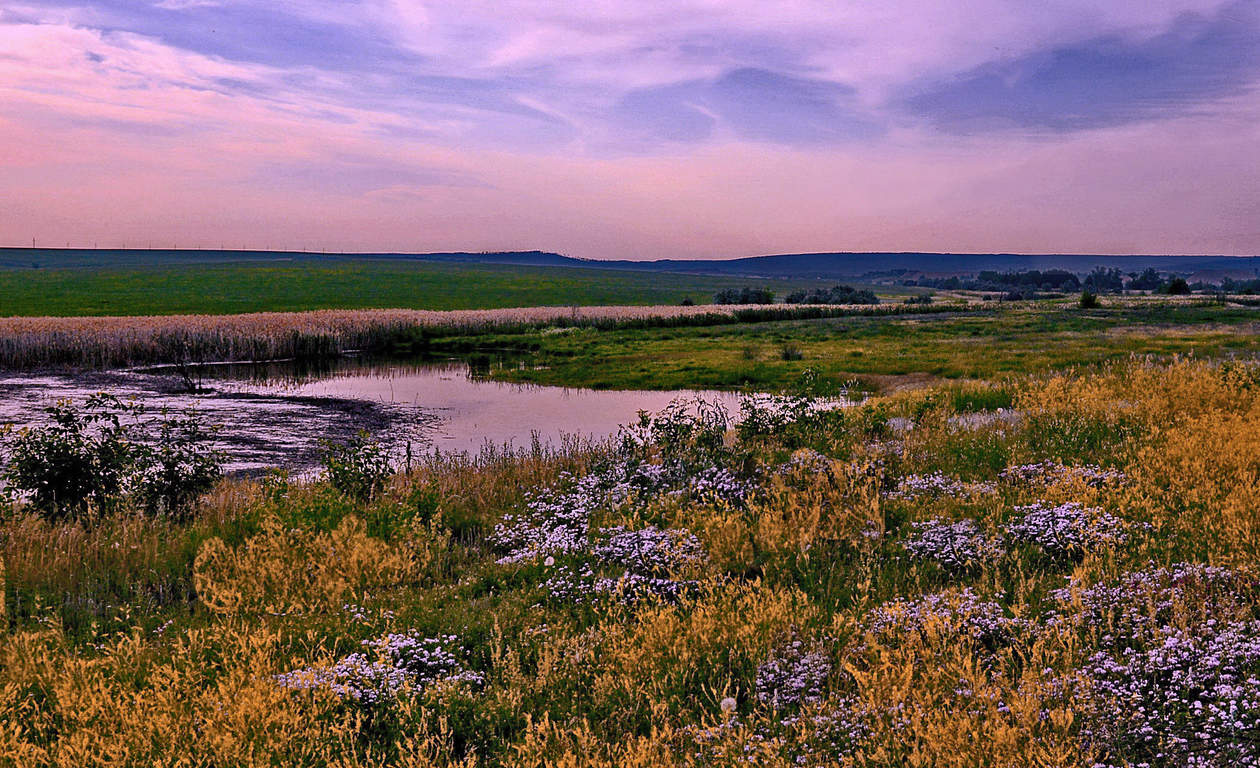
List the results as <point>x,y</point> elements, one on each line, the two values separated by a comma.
<point>689,128</point>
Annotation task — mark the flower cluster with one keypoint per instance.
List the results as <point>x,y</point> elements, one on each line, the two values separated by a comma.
<point>938,484</point>
<point>1139,604</point>
<point>720,485</point>
<point>793,674</point>
<point>806,461</point>
<point>554,521</point>
<point>582,586</point>
<point>1069,529</point>
<point>1050,472</point>
<point>649,557</point>
<point>1189,698</point>
<point>959,613</point>
<point>955,546</point>
<point>393,664</point>
<point>649,550</point>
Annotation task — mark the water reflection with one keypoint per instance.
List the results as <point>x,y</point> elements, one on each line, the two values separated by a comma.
<point>449,405</point>
<point>465,408</point>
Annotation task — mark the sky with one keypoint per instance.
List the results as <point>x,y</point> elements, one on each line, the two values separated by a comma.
<point>641,130</point>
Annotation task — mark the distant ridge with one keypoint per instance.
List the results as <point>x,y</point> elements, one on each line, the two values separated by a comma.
<point>789,265</point>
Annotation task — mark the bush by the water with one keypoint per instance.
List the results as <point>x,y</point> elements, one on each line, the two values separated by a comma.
<point>96,455</point>
<point>358,467</point>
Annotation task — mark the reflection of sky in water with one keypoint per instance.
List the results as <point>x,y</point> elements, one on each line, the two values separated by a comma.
<point>269,417</point>
<point>473,411</point>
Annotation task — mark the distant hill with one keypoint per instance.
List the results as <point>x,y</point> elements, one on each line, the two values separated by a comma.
<point>853,265</point>
<point>793,265</point>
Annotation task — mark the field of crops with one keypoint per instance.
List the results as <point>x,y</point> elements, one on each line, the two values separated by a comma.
<point>304,285</point>
<point>1056,570</point>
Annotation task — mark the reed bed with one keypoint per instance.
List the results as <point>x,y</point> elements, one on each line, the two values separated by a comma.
<point>106,342</point>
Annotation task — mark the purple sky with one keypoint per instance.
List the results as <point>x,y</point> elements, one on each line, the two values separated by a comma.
<point>633,130</point>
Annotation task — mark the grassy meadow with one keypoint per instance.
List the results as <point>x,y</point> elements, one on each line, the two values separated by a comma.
<point>304,285</point>
<point>921,580</point>
<point>1034,544</point>
<point>878,351</point>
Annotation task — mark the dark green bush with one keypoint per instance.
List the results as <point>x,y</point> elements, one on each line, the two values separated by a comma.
<point>178,467</point>
<point>359,467</point>
<point>81,460</point>
<point>95,456</point>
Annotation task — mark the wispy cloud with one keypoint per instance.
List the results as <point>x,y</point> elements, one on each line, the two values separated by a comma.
<point>1107,80</point>
<point>633,129</point>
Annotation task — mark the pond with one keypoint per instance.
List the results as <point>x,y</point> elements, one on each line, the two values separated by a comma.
<point>280,415</point>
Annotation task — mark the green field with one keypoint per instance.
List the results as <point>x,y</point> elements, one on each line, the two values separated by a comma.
<point>350,284</point>
<point>880,353</point>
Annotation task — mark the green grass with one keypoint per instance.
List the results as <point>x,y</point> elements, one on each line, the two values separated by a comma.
<point>879,352</point>
<point>351,284</point>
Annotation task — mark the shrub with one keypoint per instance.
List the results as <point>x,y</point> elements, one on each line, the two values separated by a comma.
<point>79,461</point>
<point>744,296</point>
<point>359,468</point>
<point>179,467</point>
<point>837,294</point>
<point>1089,300</point>
<point>90,457</point>
<point>1176,287</point>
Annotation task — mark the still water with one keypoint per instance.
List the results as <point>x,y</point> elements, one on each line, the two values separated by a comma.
<point>279,415</point>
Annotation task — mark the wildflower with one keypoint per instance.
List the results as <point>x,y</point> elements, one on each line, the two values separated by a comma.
<point>938,484</point>
<point>728,705</point>
<point>1050,472</point>
<point>720,485</point>
<point>793,674</point>
<point>1068,529</point>
<point>956,546</point>
<point>961,613</point>
<point>396,663</point>
<point>650,550</point>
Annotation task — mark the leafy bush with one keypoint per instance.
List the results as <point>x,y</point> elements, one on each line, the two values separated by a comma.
<point>359,467</point>
<point>1089,300</point>
<point>179,467</point>
<point>91,457</point>
<point>80,461</point>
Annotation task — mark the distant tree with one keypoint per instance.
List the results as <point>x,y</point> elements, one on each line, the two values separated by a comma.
<point>744,296</point>
<point>1089,300</point>
<point>1177,287</point>
<point>1103,280</point>
<point>1149,280</point>
<point>837,294</point>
